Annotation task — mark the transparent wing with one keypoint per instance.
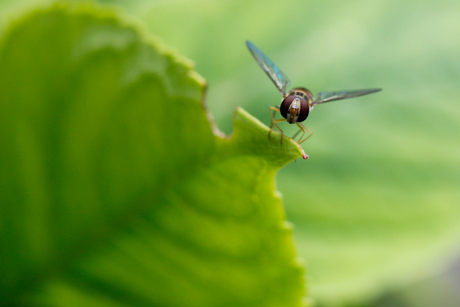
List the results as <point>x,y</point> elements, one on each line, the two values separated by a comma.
<point>339,95</point>
<point>271,69</point>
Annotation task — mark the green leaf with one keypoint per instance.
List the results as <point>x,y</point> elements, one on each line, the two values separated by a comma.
<point>115,190</point>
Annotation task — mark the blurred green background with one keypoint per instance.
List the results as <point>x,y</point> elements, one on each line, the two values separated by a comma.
<point>377,205</point>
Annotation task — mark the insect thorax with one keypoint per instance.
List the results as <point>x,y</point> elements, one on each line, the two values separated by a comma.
<point>301,92</point>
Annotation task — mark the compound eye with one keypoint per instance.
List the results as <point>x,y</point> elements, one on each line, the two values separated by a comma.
<point>304,110</point>
<point>284,107</point>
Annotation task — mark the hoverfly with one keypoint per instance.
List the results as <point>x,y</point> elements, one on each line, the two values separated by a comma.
<point>297,103</point>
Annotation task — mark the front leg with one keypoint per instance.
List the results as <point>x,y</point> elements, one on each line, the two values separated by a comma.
<point>275,121</point>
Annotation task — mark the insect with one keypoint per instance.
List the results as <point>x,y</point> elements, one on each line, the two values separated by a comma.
<point>297,103</point>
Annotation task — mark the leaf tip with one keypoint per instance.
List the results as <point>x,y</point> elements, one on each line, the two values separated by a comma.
<point>304,155</point>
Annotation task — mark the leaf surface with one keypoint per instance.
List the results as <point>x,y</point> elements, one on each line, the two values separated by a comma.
<point>115,190</point>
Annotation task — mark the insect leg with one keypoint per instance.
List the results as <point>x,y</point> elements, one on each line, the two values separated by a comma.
<point>303,128</point>
<point>297,133</point>
<point>274,121</point>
